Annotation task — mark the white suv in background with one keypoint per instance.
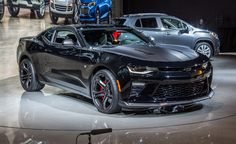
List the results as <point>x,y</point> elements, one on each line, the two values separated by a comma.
<point>64,9</point>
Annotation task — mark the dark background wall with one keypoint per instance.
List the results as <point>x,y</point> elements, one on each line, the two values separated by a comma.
<point>218,15</point>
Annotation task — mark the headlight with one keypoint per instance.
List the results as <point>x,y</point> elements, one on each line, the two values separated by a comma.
<point>141,70</point>
<point>51,1</point>
<point>92,4</point>
<point>205,65</point>
<point>214,35</point>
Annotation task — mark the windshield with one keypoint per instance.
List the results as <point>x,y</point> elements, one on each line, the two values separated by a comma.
<point>112,37</point>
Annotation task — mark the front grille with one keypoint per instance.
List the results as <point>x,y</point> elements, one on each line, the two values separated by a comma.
<point>63,8</point>
<point>84,11</point>
<point>179,92</point>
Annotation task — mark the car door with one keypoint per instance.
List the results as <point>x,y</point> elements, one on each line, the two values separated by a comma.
<point>149,27</point>
<point>174,32</point>
<point>63,61</point>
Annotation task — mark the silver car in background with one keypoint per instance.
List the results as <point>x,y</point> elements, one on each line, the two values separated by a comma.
<point>65,9</point>
<point>165,29</point>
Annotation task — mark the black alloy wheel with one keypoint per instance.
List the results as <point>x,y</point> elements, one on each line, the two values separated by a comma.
<point>105,93</point>
<point>28,77</point>
<point>97,17</point>
<point>13,10</point>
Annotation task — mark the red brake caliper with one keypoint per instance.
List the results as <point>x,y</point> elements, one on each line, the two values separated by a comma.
<point>100,89</point>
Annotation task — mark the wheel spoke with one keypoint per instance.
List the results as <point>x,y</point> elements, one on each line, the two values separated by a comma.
<point>105,102</point>
<point>98,94</point>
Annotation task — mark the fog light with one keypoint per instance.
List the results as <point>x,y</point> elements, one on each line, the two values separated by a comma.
<point>137,88</point>
<point>199,72</point>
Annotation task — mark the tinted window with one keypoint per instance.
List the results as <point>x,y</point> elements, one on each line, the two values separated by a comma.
<point>111,37</point>
<point>149,22</point>
<point>63,35</point>
<point>138,24</point>
<point>170,23</point>
<point>49,34</point>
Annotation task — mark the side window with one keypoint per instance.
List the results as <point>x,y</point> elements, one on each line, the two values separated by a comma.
<point>149,23</point>
<point>48,35</point>
<point>63,35</point>
<point>170,23</point>
<point>138,23</point>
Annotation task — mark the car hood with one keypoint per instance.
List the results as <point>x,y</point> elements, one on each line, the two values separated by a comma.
<point>160,53</point>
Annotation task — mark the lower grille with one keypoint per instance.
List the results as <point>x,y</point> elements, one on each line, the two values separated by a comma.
<point>84,11</point>
<point>178,92</point>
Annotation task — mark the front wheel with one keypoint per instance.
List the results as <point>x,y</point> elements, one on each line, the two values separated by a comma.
<point>105,92</point>
<point>41,12</point>
<point>13,10</point>
<point>205,49</point>
<point>28,77</point>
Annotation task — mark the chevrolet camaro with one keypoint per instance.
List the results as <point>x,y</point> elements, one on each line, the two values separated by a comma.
<point>117,67</point>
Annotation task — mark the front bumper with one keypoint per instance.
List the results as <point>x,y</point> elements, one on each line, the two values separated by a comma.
<point>164,104</point>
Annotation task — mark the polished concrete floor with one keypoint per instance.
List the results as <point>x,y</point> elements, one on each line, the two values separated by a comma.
<point>55,116</point>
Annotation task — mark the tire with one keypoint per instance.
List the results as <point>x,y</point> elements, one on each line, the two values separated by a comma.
<point>104,92</point>
<point>28,77</point>
<point>41,11</point>
<point>98,17</point>
<point>13,10</point>
<point>109,21</point>
<point>75,19</point>
<point>53,18</point>
<point>3,10</point>
<point>204,48</point>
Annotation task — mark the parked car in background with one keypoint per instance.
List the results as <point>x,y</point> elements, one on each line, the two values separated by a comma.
<point>167,29</point>
<point>65,9</point>
<point>1,9</point>
<point>38,6</point>
<point>96,11</point>
<point>117,67</point>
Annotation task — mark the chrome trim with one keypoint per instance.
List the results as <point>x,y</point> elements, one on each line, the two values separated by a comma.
<point>153,105</point>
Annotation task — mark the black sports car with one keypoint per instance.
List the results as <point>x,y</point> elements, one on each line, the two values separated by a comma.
<point>117,67</point>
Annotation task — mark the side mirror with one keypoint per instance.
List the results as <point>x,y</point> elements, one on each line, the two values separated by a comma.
<point>152,38</point>
<point>68,42</point>
<point>183,31</point>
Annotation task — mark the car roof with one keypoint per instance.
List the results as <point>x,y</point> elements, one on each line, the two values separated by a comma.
<point>145,14</point>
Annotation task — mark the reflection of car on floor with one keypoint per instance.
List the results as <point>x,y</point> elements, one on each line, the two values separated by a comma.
<point>1,9</point>
<point>65,9</point>
<point>117,67</point>
<point>171,30</point>
<point>38,6</point>
<point>96,11</point>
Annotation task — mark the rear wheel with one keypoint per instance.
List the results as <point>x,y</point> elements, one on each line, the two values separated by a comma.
<point>28,78</point>
<point>205,49</point>
<point>41,12</point>
<point>105,93</point>
<point>13,10</point>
